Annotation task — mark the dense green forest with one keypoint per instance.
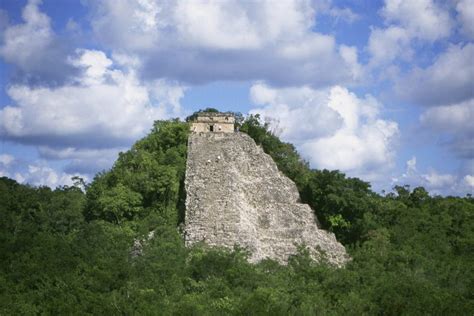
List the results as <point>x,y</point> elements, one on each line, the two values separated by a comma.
<point>73,250</point>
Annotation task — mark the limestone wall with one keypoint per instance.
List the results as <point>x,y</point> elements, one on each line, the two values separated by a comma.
<point>217,127</point>
<point>237,195</point>
<point>215,117</point>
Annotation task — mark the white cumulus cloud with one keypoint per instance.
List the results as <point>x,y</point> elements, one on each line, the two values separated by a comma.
<point>333,128</point>
<point>449,79</point>
<point>465,9</point>
<point>6,159</point>
<point>456,123</point>
<point>104,107</point>
<point>424,19</point>
<point>203,41</point>
<point>95,65</point>
<point>456,118</point>
<point>387,44</point>
<point>407,21</point>
<point>469,180</point>
<point>82,160</point>
<point>34,47</point>
<point>36,172</point>
<point>45,176</point>
<point>23,43</point>
<point>434,181</point>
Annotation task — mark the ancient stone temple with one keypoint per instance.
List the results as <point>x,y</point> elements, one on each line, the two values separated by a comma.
<point>206,122</point>
<point>237,195</point>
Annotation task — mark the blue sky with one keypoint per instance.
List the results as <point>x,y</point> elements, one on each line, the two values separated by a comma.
<point>381,90</point>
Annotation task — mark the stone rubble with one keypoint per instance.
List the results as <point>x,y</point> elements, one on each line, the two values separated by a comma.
<point>235,194</point>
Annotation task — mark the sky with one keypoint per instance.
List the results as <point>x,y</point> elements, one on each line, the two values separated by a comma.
<point>380,90</point>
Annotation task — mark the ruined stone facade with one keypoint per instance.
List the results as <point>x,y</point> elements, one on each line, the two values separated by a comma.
<point>237,195</point>
<point>208,122</point>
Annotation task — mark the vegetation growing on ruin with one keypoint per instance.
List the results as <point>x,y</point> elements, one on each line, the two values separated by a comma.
<point>64,251</point>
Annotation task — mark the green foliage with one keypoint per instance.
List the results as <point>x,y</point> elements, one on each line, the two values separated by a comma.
<point>145,180</point>
<point>65,252</point>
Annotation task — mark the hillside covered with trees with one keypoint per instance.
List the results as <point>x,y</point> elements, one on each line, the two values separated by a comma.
<point>73,250</point>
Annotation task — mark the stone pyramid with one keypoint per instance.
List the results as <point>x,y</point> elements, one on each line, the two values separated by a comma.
<point>235,194</point>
